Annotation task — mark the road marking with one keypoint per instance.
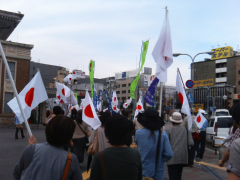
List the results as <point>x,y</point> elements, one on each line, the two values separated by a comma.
<point>211,165</point>
<point>86,174</point>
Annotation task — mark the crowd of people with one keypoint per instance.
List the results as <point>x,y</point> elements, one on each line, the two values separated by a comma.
<point>157,145</point>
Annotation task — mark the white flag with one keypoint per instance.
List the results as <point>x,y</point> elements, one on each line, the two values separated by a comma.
<point>183,99</point>
<point>200,120</point>
<point>32,94</point>
<point>105,110</point>
<point>82,103</point>
<point>99,106</point>
<point>126,104</point>
<point>139,108</point>
<point>162,52</point>
<point>65,94</point>
<point>89,114</point>
<point>114,101</point>
<point>68,78</point>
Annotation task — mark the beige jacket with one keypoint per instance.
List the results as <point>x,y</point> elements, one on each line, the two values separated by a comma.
<point>194,126</point>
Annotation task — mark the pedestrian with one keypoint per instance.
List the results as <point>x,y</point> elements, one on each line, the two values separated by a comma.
<point>118,161</point>
<point>236,135</point>
<point>18,126</point>
<point>234,163</point>
<point>80,137</point>
<point>57,110</point>
<point>195,134</point>
<point>136,123</point>
<point>180,138</point>
<point>102,140</point>
<point>153,145</point>
<point>125,113</point>
<point>202,135</point>
<point>48,160</point>
<point>227,139</point>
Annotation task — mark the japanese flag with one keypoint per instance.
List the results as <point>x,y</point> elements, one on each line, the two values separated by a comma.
<point>139,108</point>
<point>162,52</point>
<point>33,94</point>
<point>183,99</point>
<point>59,100</point>
<point>89,114</point>
<point>126,104</point>
<point>68,78</point>
<point>99,106</point>
<point>82,103</point>
<point>114,101</point>
<point>65,95</point>
<point>200,120</point>
<point>105,110</point>
<point>76,107</point>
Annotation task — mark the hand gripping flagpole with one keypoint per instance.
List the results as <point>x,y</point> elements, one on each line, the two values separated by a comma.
<point>15,90</point>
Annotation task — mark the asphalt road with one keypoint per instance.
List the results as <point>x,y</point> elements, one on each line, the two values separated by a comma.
<point>11,150</point>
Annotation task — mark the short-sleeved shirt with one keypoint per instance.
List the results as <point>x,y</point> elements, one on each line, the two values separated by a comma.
<point>120,163</point>
<point>236,135</point>
<point>234,163</point>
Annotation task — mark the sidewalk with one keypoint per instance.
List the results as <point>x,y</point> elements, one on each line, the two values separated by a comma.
<point>204,169</point>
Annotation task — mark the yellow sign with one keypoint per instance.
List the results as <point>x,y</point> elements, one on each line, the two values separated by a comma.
<point>206,82</point>
<point>197,106</point>
<point>221,53</point>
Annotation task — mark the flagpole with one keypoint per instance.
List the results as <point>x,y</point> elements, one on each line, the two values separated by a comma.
<point>15,90</point>
<point>161,84</point>
<point>134,104</point>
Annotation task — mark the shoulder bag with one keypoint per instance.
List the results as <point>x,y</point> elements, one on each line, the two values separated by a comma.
<point>65,172</point>
<point>157,156</point>
<point>84,132</point>
<point>93,148</point>
<point>19,126</point>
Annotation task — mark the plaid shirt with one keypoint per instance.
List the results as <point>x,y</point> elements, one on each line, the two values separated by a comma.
<point>236,135</point>
<point>16,120</point>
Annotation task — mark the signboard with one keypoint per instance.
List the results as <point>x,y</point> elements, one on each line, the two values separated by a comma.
<point>191,100</point>
<point>189,83</point>
<point>197,106</point>
<point>224,52</point>
<point>206,82</point>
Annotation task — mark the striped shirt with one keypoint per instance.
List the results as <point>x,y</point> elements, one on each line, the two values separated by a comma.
<point>236,135</point>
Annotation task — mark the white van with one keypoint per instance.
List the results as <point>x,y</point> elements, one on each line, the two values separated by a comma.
<point>218,126</point>
<point>221,112</point>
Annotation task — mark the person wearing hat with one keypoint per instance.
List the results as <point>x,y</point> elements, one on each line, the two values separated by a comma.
<point>180,138</point>
<point>153,145</point>
<point>194,132</point>
<point>202,134</point>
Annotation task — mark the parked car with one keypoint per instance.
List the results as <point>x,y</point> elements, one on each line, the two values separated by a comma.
<point>218,126</point>
<point>221,112</point>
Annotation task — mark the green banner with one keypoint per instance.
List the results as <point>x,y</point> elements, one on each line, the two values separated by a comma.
<point>76,96</point>
<point>135,81</point>
<point>91,74</point>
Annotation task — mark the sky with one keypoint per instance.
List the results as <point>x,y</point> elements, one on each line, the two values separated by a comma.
<point>71,33</point>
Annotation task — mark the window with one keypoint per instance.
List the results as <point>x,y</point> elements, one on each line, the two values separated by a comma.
<point>8,97</point>
<point>207,77</point>
<point>123,98</point>
<point>118,86</point>
<point>124,85</point>
<point>12,69</point>
<point>128,91</point>
<point>129,84</point>
<point>124,92</point>
<point>118,98</point>
<point>118,92</point>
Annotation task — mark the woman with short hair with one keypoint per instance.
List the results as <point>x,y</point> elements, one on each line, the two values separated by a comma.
<point>118,161</point>
<point>48,160</point>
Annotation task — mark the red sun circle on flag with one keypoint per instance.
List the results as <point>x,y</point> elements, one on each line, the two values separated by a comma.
<point>88,111</point>
<point>114,108</point>
<point>59,97</point>
<point>73,73</point>
<point>199,119</point>
<point>29,97</point>
<point>63,91</point>
<point>139,107</point>
<point>70,79</point>
<point>115,98</point>
<point>61,101</point>
<point>180,97</point>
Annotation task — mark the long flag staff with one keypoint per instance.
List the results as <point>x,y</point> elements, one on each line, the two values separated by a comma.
<point>15,90</point>
<point>134,104</point>
<point>161,85</point>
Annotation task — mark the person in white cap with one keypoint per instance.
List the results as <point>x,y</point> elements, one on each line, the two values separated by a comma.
<point>180,140</point>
